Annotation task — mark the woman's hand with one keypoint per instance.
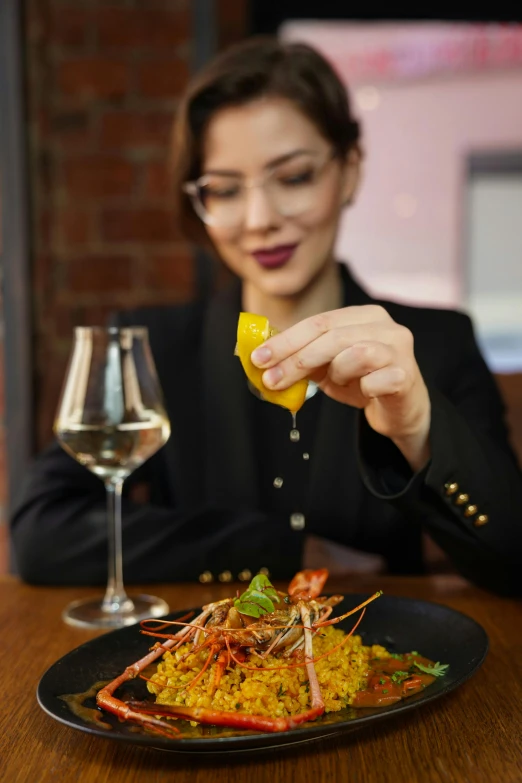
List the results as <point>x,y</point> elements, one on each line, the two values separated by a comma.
<point>358,356</point>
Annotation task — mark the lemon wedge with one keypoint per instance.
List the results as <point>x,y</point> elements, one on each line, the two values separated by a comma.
<point>252,331</point>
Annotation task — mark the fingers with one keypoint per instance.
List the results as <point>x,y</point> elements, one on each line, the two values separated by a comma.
<point>359,361</point>
<point>384,382</point>
<point>347,353</point>
<point>294,339</point>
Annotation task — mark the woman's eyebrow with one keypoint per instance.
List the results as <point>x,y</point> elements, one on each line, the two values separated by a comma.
<point>270,165</point>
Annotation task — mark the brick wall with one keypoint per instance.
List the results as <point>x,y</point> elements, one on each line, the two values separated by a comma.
<point>103,81</point>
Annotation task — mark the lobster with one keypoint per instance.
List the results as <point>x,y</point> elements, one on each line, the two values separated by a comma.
<point>230,634</point>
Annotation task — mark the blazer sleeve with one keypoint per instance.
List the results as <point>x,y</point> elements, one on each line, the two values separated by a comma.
<point>469,496</point>
<point>59,532</point>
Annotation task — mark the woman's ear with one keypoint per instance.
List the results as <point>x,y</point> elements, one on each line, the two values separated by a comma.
<point>352,174</point>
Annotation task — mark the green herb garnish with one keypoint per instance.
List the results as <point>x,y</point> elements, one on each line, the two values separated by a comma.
<point>437,670</point>
<point>382,682</point>
<point>399,676</point>
<point>280,692</point>
<point>396,656</point>
<point>238,706</point>
<point>258,598</point>
<point>384,691</point>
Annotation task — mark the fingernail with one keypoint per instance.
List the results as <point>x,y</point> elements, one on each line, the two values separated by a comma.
<point>273,376</point>
<point>261,355</point>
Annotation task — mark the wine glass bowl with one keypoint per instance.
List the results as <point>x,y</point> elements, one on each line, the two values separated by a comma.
<point>111,418</point>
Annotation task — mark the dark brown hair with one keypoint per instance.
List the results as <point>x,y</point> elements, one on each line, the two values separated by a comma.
<point>256,68</point>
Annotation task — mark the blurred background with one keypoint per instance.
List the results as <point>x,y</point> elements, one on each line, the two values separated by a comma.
<point>88,89</point>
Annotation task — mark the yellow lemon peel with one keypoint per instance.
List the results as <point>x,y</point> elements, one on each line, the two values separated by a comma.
<point>253,331</point>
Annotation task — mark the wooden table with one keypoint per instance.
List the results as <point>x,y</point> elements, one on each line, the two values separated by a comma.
<point>471,735</point>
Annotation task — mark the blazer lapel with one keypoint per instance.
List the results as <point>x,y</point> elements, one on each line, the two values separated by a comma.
<point>230,471</point>
<point>335,455</point>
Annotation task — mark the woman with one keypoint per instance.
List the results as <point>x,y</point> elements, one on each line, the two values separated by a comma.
<point>406,432</point>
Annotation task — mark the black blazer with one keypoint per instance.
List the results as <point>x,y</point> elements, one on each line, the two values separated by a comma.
<point>203,513</point>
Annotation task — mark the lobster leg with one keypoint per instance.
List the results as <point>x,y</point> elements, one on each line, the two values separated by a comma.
<point>317,702</point>
<point>334,620</point>
<point>106,700</point>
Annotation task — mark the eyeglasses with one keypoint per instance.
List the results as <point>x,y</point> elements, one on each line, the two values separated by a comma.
<point>292,189</point>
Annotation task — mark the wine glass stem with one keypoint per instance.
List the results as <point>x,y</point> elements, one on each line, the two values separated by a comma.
<point>115,599</point>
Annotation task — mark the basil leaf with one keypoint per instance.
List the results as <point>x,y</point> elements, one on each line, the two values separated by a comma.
<point>262,599</point>
<point>260,582</point>
<point>258,598</point>
<point>252,610</point>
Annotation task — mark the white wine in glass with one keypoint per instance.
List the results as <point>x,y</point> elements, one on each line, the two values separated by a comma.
<point>111,419</point>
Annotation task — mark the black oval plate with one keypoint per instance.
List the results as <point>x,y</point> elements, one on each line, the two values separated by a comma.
<point>400,624</point>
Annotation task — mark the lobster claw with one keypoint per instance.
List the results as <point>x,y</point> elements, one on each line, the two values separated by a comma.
<point>308,584</point>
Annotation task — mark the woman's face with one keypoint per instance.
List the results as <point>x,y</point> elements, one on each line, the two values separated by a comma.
<point>278,237</point>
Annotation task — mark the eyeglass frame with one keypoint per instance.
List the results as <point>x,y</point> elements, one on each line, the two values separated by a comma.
<point>191,188</point>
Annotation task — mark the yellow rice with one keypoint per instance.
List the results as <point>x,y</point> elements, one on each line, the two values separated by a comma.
<point>274,693</point>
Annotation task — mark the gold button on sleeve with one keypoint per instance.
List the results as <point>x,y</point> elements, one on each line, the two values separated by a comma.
<point>205,577</point>
<point>470,510</point>
<point>245,575</point>
<point>482,519</point>
<point>225,576</point>
<point>461,499</point>
<point>451,487</point>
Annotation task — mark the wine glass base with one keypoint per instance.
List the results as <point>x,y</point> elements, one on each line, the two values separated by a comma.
<point>89,613</point>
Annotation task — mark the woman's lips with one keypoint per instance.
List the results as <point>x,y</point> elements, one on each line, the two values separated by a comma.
<point>274,257</point>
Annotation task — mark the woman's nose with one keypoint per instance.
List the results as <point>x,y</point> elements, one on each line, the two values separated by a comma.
<point>260,215</point>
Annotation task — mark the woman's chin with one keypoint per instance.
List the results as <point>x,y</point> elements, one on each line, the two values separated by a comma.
<point>284,284</point>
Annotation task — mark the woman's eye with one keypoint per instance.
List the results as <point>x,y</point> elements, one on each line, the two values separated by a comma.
<point>300,178</point>
<point>220,191</point>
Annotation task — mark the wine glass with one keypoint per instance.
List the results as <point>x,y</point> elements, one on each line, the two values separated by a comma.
<point>111,419</point>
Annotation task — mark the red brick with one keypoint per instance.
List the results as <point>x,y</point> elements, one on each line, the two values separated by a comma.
<point>63,321</point>
<point>94,176</point>
<point>138,225</point>
<point>42,272</point>
<point>136,129</point>
<point>156,180</point>
<point>93,77</point>
<point>92,315</point>
<point>143,28</point>
<point>72,130</point>
<point>74,226</point>
<point>99,273</point>
<point>232,21</point>
<point>70,26</point>
<point>162,78</point>
<point>174,271</point>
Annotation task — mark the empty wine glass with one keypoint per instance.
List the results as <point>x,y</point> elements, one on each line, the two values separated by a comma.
<point>111,419</point>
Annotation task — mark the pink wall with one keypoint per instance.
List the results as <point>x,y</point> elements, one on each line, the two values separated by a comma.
<point>422,113</point>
